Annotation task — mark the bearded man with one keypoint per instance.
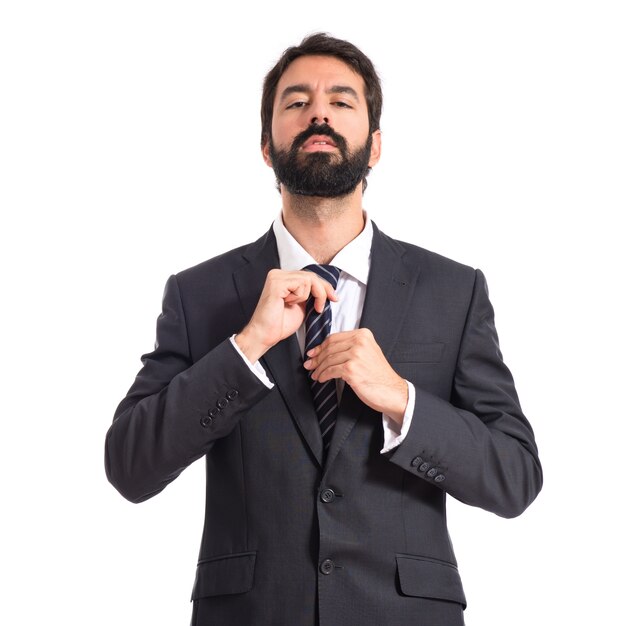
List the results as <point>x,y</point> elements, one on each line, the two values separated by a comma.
<point>338,383</point>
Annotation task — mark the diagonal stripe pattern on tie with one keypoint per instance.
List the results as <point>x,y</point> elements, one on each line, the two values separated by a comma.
<point>317,327</point>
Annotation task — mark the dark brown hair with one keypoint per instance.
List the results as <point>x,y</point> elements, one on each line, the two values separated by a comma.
<point>321,44</point>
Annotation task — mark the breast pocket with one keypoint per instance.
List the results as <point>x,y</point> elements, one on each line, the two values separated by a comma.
<point>417,352</point>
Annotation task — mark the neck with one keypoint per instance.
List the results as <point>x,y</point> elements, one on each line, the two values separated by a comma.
<point>323,226</point>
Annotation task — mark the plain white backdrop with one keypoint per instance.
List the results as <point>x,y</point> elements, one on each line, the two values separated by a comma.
<point>129,150</point>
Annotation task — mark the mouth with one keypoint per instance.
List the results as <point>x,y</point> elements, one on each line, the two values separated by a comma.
<point>319,143</point>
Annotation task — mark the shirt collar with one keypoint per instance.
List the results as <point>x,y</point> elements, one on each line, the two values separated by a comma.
<point>353,258</point>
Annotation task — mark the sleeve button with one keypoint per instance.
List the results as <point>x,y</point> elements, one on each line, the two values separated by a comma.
<point>418,460</point>
<point>221,403</point>
<point>232,394</point>
<point>423,467</point>
<point>431,473</point>
<point>205,420</point>
<point>439,478</point>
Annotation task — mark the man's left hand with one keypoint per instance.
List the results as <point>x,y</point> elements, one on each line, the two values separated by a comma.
<point>355,357</point>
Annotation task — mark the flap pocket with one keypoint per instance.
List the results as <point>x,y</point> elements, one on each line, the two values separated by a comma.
<point>413,352</point>
<point>427,578</point>
<point>223,575</point>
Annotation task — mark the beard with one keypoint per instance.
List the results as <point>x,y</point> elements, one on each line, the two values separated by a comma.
<point>321,174</point>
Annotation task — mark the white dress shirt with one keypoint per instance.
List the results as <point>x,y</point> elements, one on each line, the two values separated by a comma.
<point>354,262</point>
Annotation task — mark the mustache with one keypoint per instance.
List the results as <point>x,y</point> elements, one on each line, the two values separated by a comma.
<point>319,129</point>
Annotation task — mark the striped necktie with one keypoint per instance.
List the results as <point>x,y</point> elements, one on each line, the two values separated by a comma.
<point>317,327</point>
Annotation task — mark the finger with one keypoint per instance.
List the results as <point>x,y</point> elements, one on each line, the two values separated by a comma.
<point>330,290</point>
<point>360,339</point>
<point>297,293</point>
<point>321,290</point>
<point>323,374</point>
<point>335,342</point>
<point>316,355</point>
<point>297,286</point>
<point>332,356</point>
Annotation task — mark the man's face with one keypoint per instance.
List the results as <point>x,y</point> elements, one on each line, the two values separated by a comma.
<point>320,144</point>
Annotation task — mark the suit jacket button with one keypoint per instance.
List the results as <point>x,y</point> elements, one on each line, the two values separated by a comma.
<point>418,460</point>
<point>232,394</point>
<point>221,403</point>
<point>431,473</point>
<point>328,495</point>
<point>205,420</point>
<point>213,412</point>
<point>423,467</point>
<point>327,567</point>
<point>439,478</point>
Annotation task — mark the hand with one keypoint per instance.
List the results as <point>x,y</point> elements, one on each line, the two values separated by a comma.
<point>355,357</point>
<point>281,309</point>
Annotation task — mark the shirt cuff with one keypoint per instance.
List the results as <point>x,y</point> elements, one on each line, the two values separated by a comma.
<point>394,435</point>
<point>256,368</point>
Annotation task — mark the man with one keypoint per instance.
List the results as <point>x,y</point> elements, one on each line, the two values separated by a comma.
<point>329,454</point>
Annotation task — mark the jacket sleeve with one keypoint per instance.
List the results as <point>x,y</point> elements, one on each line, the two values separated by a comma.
<point>175,409</point>
<point>479,447</point>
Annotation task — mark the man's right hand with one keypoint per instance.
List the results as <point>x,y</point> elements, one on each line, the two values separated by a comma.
<point>281,309</point>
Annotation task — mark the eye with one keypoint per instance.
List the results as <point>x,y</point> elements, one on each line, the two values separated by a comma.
<point>297,105</point>
<point>343,105</point>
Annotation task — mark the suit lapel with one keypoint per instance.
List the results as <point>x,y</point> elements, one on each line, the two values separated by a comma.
<point>283,361</point>
<point>390,287</point>
<point>389,291</point>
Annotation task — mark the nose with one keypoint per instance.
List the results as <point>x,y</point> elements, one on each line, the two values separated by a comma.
<point>319,110</point>
<point>319,120</point>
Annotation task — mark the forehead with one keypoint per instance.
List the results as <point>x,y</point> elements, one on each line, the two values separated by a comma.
<point>320,72</point>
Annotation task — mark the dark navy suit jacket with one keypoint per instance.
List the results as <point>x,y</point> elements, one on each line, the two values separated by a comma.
<point>362,539</point>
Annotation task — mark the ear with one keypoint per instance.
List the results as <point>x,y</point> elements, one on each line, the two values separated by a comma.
<point>376,147</point>
<point>265,152</point>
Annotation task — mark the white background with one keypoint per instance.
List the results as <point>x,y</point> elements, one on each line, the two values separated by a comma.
<point>129,150</point>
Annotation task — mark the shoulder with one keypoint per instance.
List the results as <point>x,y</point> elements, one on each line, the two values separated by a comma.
<point>219,267</point>
<point>427,262</point>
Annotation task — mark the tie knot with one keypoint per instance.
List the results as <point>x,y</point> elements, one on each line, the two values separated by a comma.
<point>327,272</point>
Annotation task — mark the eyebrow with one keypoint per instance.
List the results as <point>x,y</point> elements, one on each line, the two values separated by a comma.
<point>302,88</point>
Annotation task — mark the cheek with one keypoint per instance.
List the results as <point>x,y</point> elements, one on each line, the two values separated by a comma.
<point>355,131</point>
<point>284,129</point>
